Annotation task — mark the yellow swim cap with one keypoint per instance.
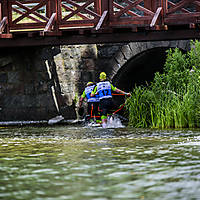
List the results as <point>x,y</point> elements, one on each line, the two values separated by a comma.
<point>89,83</point>
<point>102,76</point>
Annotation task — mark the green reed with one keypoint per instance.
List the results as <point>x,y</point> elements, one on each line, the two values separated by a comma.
<point>173,97</point>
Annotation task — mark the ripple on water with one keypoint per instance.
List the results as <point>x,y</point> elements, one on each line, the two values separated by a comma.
<point>90,163</point>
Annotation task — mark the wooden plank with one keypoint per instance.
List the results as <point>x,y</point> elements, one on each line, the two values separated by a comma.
<point>131,5</point>
<point>146,11</point>
<point>180,5</point>
<point>77,23</point>
<point>128,12</point>
<point>102,20</point>
<point>6,36</point>
<point>0,12</point>
<point>71,39</point>
<point>55,33</point>
<point>181,19</point>
<point>197,3</point>
<point>182,9</point>
<point>183,16</point>
<point>28,26</point>
<point>136,20</point>
<point>155,18</point>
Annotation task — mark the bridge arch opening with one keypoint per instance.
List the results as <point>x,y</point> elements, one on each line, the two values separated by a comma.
<point>140,69</point>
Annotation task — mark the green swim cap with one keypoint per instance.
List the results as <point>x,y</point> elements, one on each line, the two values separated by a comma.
<point>102,76</point>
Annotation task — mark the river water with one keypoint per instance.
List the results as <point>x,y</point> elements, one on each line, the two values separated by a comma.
<point>82,163</point>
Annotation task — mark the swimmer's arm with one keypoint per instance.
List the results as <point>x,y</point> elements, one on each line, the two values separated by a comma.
<point>119,91</point>
<point>82,98</point>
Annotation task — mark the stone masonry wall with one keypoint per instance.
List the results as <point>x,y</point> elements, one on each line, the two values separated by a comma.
<point>41,83</point>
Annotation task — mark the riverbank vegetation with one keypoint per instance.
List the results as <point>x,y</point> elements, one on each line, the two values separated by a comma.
<point>172,100</point>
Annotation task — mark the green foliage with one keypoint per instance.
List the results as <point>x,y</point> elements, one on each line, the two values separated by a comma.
<point>173,98</point>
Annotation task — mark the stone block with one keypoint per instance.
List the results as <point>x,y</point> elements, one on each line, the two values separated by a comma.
<point>165,43</point>
<point>68,112</point>
<point>127,52</point>
<point>108,50</point>
<point>13,101</point>
<point>42,87</point>
<point>174,44</point>
<point>119,57</point>
<point>40,65</point>
<point>89,64</point>
<point>142,46</point>
<point>134,46</point>
<point>3,77</point>
<point>115,67</point>
<point>183,44</point>
<point>5,61</point>
<point>89,51</point>
<point>14,77</point>
<point>86,76</point>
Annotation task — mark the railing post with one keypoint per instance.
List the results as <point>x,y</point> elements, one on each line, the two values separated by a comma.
<point>101,7</point>
<point>59,13</point>
<point>52,7</point>
<point>165,6</point>
<point>1,12</point>
<point>105,5</point>
<point>148,4</point>
<point>152,4</point>
<point>97,7</point>
<point>4,8</point>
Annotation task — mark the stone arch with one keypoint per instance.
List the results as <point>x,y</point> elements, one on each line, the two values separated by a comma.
<point>119,68</point>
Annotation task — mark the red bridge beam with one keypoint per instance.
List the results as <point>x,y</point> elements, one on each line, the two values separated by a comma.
<point>115,37</point>
<point>97,19</point>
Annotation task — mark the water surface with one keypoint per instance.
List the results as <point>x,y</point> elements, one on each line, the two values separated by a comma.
<point>81,163</point>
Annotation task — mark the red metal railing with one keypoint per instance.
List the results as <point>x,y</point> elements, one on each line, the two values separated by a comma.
<point>130,12</point>
<point>79,13</point>
<point>27,15</point>
<point>52,16</point>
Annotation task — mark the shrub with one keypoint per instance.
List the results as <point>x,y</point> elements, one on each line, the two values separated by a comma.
<point>172,99</point>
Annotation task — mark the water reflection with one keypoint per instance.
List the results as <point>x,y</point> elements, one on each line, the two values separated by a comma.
<point>79,163</point>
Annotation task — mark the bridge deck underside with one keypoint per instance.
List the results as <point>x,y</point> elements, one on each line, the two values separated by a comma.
<point>51,22</point>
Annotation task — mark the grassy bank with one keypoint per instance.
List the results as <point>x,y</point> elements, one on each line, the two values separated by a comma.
<point>173,97</point>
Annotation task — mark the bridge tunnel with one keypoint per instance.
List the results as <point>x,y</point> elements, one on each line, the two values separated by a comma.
<point>140,69</point>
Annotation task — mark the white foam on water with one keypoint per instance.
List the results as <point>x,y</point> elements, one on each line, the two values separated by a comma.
<point>191,143</point>
<point>114,122</point>
<point>93,124</point>
<point>56,119</point>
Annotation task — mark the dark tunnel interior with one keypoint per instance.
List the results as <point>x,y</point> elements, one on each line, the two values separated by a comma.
<point>140,69</point>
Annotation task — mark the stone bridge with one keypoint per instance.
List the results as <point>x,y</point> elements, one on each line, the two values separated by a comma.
<point>41,83</point>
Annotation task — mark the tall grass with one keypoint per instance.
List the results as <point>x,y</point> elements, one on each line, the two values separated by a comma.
<point>173,98</point>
